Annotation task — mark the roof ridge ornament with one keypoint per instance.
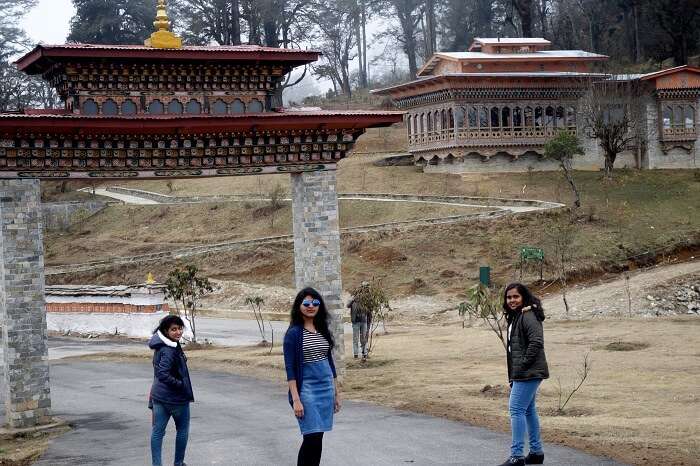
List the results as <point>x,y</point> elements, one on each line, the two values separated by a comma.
<point>163,38</point>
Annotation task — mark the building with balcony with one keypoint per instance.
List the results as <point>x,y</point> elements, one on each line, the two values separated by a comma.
<point>494,107</point>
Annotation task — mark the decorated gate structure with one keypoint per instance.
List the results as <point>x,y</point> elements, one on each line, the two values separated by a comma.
<point>160,110</point>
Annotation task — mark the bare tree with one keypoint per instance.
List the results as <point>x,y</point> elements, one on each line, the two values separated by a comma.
<point>561,234</point>
<point>613,114</point>
<point>582,375</point>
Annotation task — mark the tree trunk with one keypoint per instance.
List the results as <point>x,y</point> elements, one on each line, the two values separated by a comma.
<point>524,8</point>
<point>235,22</point>
<point>570,179</point>
<point>609,162</point>
<point>358,39</point>
<point>637,44</point>
<point>430,31</point>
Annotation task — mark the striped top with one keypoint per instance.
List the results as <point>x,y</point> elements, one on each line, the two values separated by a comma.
<point>315,347</point>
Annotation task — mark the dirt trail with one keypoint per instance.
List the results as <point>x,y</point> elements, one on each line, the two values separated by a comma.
<point>610,297</point>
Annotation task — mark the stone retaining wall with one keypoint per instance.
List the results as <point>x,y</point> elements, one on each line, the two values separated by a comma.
<point>61,215</point>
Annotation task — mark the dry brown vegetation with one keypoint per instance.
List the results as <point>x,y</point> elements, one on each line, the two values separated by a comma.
<point>643,414</point>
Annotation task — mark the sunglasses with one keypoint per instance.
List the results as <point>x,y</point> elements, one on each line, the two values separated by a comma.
<point>312,303</point>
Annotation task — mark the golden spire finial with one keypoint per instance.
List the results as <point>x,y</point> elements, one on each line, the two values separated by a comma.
<point>163,38</point>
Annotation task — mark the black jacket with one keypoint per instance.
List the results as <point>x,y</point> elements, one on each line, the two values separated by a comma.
<point>171,379</point>
<point>526,359</point>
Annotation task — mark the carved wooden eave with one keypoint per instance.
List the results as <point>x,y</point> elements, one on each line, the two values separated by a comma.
<point>667,146</point>
<point>74,146</point>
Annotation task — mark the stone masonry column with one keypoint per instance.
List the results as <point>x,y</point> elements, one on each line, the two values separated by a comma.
<point>317,245</point>
<point>24,334</point>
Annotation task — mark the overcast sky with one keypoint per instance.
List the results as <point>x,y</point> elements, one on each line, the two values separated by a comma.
<point>48,22</point>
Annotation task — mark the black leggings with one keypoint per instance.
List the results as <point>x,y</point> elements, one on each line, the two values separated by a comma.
<point>310,451</point>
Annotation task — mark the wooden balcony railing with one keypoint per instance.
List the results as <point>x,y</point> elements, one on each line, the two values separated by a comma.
<point>679,134</point>
<point>508,136</point>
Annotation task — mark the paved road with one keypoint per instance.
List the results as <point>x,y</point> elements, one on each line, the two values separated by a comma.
<point>126,198</point>
<point>242,421</point>
<point>241,332</point>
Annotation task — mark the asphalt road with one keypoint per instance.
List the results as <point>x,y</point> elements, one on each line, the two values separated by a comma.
<point>243,421</point>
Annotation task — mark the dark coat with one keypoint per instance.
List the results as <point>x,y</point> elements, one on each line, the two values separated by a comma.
<point>171,378</point>
<point>294,357</point>
<point>526,359</point>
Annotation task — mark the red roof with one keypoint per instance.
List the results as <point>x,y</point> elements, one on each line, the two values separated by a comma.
<point>42,55</point>
<point>658,74</point>
<point>148,124</point>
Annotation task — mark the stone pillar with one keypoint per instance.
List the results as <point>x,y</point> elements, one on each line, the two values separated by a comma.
<point>24,334</point>
<point>317,244</point>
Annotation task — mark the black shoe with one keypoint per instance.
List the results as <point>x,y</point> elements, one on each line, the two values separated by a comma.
<point>534,458</point>
<point>513,461</point>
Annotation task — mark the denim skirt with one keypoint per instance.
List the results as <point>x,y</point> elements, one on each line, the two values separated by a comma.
<point>318,398</point>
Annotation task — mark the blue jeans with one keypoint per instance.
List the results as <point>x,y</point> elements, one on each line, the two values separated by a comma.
<point>162,412</point>
<point>523,415</point>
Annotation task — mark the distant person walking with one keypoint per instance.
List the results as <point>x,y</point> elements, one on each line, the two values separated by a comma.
<point>308,359</point>
<point>527,367</point>
<point>171,393</point>
<point>361,319</point>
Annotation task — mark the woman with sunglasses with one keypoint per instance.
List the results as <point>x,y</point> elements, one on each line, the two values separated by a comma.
<point>308,359</point>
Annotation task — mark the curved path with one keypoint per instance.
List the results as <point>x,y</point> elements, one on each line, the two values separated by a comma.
<point>499,208</point>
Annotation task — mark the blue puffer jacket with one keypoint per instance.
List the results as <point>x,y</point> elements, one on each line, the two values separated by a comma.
<point>171,379</point>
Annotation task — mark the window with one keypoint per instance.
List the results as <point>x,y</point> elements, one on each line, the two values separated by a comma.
<point>421,123</point>
<point>689,117</point>
<point>436,121</point>
<point>90,107</point>
<point>219,107</point>
<point>237,106</point>
<point>255,106</point>
<point>571,117</point>
<point>429,121</point>
<point>460,116</point>
<point>678,116</point>
<point>415,124</point>
<point>193,107</point>
<point>175,107</point>
<point>109,107</point>
<point>505,117</point>
<point>156,107</point>
<point>484,118</point>
<point>450,119</point>
<point>667,117</point>
<point>495,122</point>
<point>529,122</point>
<point>539,118</point>
<point>129,107</point>
<point>518,118</point>
<point>409,124</point>
<point>560,121</point>
<point>549,117</point>
<point>472,118</point>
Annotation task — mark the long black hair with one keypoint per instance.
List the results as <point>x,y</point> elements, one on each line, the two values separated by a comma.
<point>167,322</point>
<point>528,300</point>
<point>322,316</point>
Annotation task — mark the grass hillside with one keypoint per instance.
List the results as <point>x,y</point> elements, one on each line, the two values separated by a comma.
<point>637,216</point>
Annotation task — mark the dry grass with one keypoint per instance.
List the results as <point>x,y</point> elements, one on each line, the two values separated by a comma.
<point>25,450</point>
<point>123,230</point>
<point>636,407</point>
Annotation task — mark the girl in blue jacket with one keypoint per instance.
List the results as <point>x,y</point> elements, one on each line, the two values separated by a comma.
<point>308,358</point>
<point>171,393</point>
